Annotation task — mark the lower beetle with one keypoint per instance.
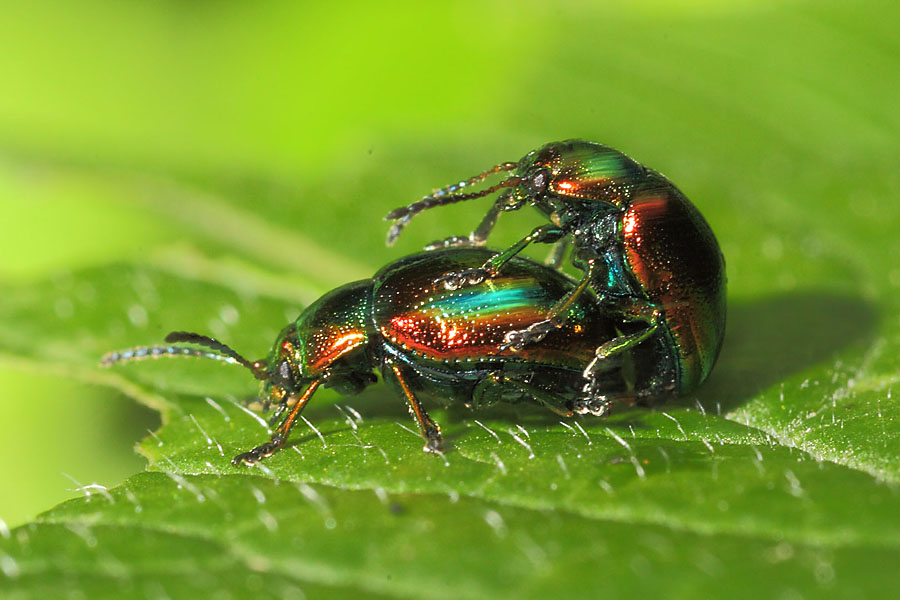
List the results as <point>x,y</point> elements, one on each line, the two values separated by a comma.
<point>644,248</point>
<point>446,344</point>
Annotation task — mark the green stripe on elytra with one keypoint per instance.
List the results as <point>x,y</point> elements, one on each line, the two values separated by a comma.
<point>480,302</point>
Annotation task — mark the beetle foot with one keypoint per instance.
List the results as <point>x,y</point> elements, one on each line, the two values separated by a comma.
<point>599,406</point>
<point>452,242</point>
<point>434,442</point>
<point>464,278</point>
<point>592,402</point>
<point>260,452</point>
<point>516,340</point>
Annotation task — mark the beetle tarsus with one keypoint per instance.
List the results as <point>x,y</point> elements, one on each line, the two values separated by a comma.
<point>517,340</point>
<point>598,406</point>
<point>260,452</point>
<point>592,401</point>
<point>465,278</point>
<point>434,442</point>
<point>453,242</point>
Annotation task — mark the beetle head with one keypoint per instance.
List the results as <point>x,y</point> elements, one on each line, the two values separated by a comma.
<point>329,343</point>
<point>582,170</point>
<point>284,373</point>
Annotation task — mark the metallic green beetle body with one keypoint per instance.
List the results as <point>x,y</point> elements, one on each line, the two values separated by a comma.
<point>646,251</point>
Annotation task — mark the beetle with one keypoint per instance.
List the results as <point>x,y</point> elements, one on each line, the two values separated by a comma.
<point>437,343</point>
<point>643,247</point>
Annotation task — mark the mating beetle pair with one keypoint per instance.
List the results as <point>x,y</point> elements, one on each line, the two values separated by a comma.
<point>468,325</point>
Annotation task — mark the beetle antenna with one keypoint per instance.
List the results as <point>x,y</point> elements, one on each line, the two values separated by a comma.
<point>211,343</point>
<point>220,352</point>
<point>404,214</point>
<point>258,368</point>
<point>450,189</point>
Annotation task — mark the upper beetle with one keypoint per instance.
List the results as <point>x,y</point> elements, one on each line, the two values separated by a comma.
<point>644,248</point>
<point>429,341</point>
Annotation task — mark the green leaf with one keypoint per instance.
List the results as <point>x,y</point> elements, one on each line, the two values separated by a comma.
<point>777,479</point>
<point>232,535</point>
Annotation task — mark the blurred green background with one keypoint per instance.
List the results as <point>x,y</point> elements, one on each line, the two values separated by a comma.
<point>779,119</point>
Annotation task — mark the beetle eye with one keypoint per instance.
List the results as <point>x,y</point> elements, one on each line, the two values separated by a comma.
<point>539,181</point>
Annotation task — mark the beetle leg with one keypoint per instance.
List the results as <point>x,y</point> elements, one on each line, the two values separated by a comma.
<point>638,311</point>
<point>491,268</point>
<point>516,340</point>
<point>592,401</point>
<point>450,242</point>
<point>560,310</point>
<point>542,235</point>
<point>548,400</point>
<point>555,258</point>
<point>279,437</point>
<point>463,278</point>
<point>430,430</point>
<point>479,235</point>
